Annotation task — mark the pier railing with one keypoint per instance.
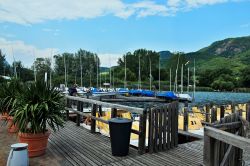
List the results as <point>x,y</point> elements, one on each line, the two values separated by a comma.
<point>212,113</point>
<point>162,122</point>
<point>224,142</point>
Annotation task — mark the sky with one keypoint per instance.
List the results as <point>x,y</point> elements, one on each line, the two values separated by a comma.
<point>110,28</point>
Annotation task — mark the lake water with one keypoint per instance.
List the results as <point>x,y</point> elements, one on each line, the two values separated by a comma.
<point>202,98</point>
<point>221,97</point>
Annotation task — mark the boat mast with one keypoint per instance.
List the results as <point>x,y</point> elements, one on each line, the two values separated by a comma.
<point>170,79</point>
<point>65,71</point>
<point>81,66</point>
<point>50,73</point>
<point>139,79</point>
<point>194,82</point>
<point>188,81</point>
<point>14,63</point>
<point>125,77</point>
<point>182,78</point>
<point>176,75</point>
<point>159,74</point>
<point>97,70</point>
<point>114,78</point>
<point>34,65</point>
<point>110,77</point>
<point>150,75</point>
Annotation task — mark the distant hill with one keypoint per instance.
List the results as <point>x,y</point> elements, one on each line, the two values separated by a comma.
<point>231,53</point>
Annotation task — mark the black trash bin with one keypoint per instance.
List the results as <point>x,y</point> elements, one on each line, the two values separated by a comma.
<point>120,129</point>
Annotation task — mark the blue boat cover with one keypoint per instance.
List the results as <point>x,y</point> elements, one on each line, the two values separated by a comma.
<point>148,93</point>
<point>167,95</point>
<point>135,92</point>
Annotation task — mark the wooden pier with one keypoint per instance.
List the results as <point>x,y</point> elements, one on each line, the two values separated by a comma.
<point>75,145</point>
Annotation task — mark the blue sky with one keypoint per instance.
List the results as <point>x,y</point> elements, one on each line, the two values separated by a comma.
<point>30,29</point>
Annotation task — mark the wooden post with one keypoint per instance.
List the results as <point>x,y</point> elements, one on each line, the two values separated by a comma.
<point>233,107</point>
<point>142,130</point>
<point>151,131</point>
<point>248,112</point>
<point>93,122</point>
<point>78,117</point>
<point>185,116</point>
<point>113,112</point>
<point>222,111</point>
<point>207,113</point>
<point>100,110</point>
<point>213,115</point>
<point>208,150</point>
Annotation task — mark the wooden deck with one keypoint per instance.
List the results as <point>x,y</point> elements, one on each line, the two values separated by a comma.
<point>74,145</point>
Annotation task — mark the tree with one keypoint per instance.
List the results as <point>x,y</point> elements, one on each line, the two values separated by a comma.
<point>245,76</point>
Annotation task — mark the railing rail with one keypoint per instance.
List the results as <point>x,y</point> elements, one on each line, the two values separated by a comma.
<point>223,142</point>
<point>165,122</point>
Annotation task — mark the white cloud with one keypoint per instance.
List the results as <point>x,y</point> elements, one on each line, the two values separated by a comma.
<point>109,59</point>
<point>23,52</point>
<point>32,11</point>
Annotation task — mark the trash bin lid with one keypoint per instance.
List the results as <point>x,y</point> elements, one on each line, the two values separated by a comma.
<point>120,120</point>
<point>19,145</point>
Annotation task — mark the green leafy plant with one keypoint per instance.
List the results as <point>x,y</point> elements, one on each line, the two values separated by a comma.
<point>8,95</point>
<point>38,107</point>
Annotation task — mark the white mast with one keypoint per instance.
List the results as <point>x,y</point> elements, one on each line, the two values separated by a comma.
<point>14,63</point>
<point>110,77</point>
<point>170,79</point>
<point>188,81</point>
<point>139,79</point>
<point>65,71</point>
<point>50,73</point>
<point>159,74</point>
<point>125,78</point>
<point>114,78</point>
<point>97,70</point>
<point>81,65</point>
<point>176,73</point>
<point>150,75</point>
<point>34,65</point>
<point>182,78</point>
<point>194,82</point>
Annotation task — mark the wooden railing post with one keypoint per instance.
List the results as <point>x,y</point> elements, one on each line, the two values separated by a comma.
<point>78,117</point>
<point>213,114</point>
<point>185,116</point>
<point>93,121</point>
<point>222,111</point>
<point>100,110</point>
<point>142,130</point>
<point>208,150</point>
<point>233,107</point>
<point>113,112</point>
<point>207,113</point>
<point>248,112</point>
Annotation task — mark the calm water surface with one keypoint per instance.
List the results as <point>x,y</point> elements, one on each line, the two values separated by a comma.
<point>202,98</point>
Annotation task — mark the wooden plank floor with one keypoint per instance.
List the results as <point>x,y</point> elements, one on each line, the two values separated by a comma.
<point>73,145</point>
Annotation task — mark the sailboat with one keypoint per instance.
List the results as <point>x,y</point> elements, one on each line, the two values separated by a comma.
<point>182,96</point>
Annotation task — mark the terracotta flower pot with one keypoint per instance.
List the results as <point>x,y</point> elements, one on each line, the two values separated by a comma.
<point>37,143</point>
<point>11,127</point>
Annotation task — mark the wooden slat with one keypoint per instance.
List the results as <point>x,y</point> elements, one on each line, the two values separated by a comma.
<point>229,138</point>
<point>105,104</point>
<point>176,124</point>
<point>160,128</point>
<point>156,131</point>
<point>165,111</point>
<point>207,113</point>
<point>151,131</point>
<point>172,125</point>
<point>142,129</point>
<point>169,127</point>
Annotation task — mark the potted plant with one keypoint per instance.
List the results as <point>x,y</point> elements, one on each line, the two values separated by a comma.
<point>8,93</point>
<point>38,107</point>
